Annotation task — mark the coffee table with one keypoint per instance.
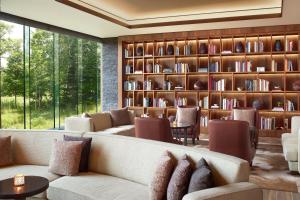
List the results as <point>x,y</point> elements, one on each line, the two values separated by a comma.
<point>178,127</point>
<point>33,185</point>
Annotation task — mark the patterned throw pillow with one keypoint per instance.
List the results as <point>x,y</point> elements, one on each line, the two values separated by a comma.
<point>202,177</point>
<point>65,157</point>
<point>162,175</point>
<point>5,151</point>
<point>180,179</point>
<point>85,153</point>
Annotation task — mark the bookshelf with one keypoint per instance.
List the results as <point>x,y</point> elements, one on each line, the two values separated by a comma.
<point>232,69</point>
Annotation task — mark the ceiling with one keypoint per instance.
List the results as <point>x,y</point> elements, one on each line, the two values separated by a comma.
<point>145,13</point>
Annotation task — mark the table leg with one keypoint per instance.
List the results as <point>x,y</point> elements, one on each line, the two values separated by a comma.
<point>185,137</point>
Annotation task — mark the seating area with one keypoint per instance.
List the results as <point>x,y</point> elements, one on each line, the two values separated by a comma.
<point>149,100</point>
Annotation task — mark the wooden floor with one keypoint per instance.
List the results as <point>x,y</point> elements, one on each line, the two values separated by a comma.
<point>270,170</point>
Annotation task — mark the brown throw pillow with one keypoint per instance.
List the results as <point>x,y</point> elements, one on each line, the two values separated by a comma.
<point>162,175</point>
<point>202,177</point>
<point>186,115</point>
<point>120,117</point>
<point>65,157</point>
<point>180,179</point>
<point>5,151</point>
<point>85,153</point>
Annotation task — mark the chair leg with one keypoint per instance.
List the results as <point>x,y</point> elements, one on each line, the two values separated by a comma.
<point>193,140</point>
<point>198,138</point>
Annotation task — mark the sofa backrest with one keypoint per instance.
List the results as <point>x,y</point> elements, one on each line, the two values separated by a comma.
<point>136,159</point>
<point>33,147</point>
<point>295,124</point>
<point>101,121</point>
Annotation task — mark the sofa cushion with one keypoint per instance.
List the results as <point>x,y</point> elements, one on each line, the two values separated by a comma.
<point>5,151</point>
<point>92,186</point>
<point>126,130</point>
<point>28,170</point>
<point>202,177</point>
<point>65,157</point>
<point>120,117</point>
<point>186,115</point>
<point>247,115</point>
<point>162,176</point>
<point>179,183</point>
<point>101,121</point>
<point>85,153</point>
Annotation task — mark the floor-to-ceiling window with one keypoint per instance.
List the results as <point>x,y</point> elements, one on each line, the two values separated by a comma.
<point>46,76</point>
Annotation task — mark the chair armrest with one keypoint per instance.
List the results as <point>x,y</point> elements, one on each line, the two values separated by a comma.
<point>235,191</point>
<point>83,124</point>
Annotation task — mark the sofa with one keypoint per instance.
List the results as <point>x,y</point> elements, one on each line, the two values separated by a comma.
<point>290,144</point>
<point>121,168</point>
<point>99,123</point>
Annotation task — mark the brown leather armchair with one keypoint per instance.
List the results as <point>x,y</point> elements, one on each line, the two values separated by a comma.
<point>154,129</point>
<point>231,137</point>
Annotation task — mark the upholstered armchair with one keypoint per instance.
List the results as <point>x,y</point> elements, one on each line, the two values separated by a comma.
<point>291,144</point>
<point>231,137</point>
<point>154,129</point>
<point>189,115</point>
<point>251,116</point>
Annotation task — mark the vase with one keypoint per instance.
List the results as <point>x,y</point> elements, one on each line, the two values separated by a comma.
<point>170,49</point>
<point>198,85</point>
<point>257,104</point>
<point>139,51</point>
<point>203,48</point>
<point>149,68</point>
<point>277,45</point>
<point>296,85</point>
<point>239,48</point>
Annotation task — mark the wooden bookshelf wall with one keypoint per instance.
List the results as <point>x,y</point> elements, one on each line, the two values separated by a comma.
<point>280,78</point>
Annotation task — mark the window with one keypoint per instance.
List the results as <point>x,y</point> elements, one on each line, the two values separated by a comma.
<point>46,76</point>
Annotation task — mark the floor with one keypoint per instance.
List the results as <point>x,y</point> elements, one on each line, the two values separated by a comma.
<point>270,170</point>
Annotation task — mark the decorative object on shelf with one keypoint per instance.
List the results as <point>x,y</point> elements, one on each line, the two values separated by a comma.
<point>128,69</point>
<point>257,104</point>
<point>139,51</point>
<point>277,45</point>
<point>215,106</point>
<point>172,118</point>
<point>167,70</point>
<point>149,68</point>
<point>239,89</point>
<point>198,85</point>
<point>170,49</point>
<point>19,180</point>
<point>203,48</point>
<point>277,88</point>
<point>239,48</point>
<point>260,69</point>
<point>296,85</point>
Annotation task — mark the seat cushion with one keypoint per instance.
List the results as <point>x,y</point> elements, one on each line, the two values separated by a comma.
<point>290,149</point>
<point>126,130</point>
<point>29,170</point>
<point>93,186</point>
<point>101,121</point>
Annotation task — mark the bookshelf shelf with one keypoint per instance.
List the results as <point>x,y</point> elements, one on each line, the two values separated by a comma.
<point>233,70</point>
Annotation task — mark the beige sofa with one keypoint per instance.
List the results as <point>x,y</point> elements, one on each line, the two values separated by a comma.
<point>121,168</point>
<point>99,123</point>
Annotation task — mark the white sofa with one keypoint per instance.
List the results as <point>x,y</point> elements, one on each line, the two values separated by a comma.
<point>120,168</point>
<point>99,123</point>
<point>290,144</point>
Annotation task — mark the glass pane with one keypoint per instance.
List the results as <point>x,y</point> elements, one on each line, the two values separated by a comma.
<point>12,75</point>
<point>41,79</point>
<point>68,76</point>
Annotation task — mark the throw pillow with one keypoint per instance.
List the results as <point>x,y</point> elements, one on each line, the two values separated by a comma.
<point>120,117</point>
<point>5,151</point>
<point>247,115</point>
<point>162,175</point>
<point>186,115</point>
<point>86,115</point>
<point>202,177</point>
<point>180,179</point>
<point>85,153</point>
<point>65,157</point>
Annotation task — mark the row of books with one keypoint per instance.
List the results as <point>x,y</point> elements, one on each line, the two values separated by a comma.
<point>203,103</point>
<point>168,85</point>
<point>147,102</point>
<point>127,53</point>
<point>148,85</point>
<point>219,85</point>
<point>204,121</point>
<point>157,68</point>
<point>229,104</point>
<point>257,85</point>
<point>214,66</point>
<point>255,46</point>
<point>128,101</point>
<point>267,123</point>
<point>160,102</point>
<point>243,66</point>
<point>212,48</point>
<point>180,101</point>
<point>132,85</point>
<point>289,106</point>
<point>182,68</point>
<point>290,45</point>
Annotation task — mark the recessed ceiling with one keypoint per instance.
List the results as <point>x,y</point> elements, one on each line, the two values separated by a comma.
<point>145,13</point>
